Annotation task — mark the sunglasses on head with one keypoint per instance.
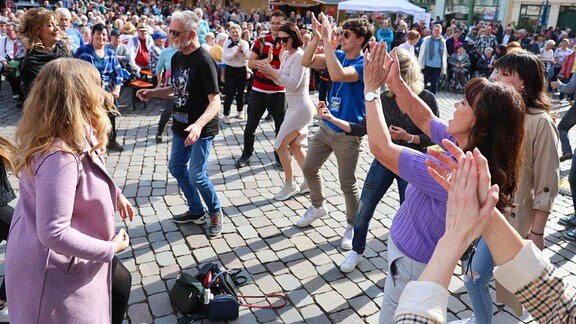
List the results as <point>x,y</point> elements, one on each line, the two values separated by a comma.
<point>346,34</point>
<point>176,33</point>
<point>283,39</point>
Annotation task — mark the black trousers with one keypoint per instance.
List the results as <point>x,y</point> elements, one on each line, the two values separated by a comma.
<point>234,88</point>
<point>15,85</point>
<point>259,101</point>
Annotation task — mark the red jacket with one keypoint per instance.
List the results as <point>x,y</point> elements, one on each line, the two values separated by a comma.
<point>566,70</point>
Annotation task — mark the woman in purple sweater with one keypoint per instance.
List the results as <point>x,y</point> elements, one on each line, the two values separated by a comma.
<point>489,117</point>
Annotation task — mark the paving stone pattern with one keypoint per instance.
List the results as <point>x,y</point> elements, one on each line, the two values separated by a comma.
<point>259,233</point>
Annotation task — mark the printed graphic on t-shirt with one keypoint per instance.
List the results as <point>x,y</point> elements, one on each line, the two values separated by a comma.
<point>180,81</point>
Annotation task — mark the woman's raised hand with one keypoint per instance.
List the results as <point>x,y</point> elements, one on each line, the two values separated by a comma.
<point>377,65</point>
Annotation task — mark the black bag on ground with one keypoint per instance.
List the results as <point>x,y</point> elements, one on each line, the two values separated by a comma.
<point>187,295</point>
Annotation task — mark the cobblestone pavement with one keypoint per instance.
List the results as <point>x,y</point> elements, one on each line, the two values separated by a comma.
<point>259,232</point>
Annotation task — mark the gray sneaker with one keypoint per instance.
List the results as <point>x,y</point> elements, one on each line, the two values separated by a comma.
<point>189,218</point>
<point>217,224</point>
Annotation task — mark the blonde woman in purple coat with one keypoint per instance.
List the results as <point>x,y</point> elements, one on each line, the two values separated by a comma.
<point>60,263</point>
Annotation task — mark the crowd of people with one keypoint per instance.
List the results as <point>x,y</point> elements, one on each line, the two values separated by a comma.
<point>67,64</point>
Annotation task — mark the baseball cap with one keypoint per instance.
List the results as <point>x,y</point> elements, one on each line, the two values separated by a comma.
<point>157,35</point>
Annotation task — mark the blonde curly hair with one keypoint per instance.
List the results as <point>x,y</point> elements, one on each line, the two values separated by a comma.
<point>31,25</point>
<point>66,103</point>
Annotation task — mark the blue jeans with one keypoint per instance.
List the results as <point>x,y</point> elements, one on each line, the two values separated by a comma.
<point>567,122</point>
<point>188,165</point>
<point>477,283</point>
<point>378,180</point>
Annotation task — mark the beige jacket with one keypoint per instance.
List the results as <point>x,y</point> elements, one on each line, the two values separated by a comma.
<point>538,183</point>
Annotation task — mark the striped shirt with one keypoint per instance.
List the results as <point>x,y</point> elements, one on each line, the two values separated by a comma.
<point>420,221</point>
<point>261,82</point>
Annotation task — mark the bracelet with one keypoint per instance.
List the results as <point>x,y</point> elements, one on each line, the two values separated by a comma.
<point>538,234</point>
<point>411,140</point>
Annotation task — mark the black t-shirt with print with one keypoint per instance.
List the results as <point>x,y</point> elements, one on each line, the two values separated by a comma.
<point>194,77</point>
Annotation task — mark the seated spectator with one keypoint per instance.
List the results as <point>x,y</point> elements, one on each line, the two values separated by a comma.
<point>209,41</point>
<point>139,48</point>
<point>218,49</point>
<point>459,64</point>
<point>485,64</point>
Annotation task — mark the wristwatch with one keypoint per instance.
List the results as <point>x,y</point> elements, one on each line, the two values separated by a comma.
<point>411,140</point>
<point>371,96</point>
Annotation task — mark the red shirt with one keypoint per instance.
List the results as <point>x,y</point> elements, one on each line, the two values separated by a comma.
<point>261,82</point>
<point>142,56</point>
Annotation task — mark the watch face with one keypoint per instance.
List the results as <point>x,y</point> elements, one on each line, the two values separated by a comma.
<point>370,96</point>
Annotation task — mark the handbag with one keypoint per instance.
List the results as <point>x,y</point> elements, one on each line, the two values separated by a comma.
<point>223,307</point>
<point>187,295</point>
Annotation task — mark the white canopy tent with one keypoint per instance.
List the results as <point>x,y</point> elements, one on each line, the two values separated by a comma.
<point>398,6</point>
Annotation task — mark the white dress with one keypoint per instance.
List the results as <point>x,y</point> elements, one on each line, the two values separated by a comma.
<point>296,79</point>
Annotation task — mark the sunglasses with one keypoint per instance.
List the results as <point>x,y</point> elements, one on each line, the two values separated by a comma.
<point>176,33</point>
<point>346,34</point>
<point>284,39</point>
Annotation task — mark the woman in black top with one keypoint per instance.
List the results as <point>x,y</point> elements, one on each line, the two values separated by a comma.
<point>42,38</point>
<point>379,178</point>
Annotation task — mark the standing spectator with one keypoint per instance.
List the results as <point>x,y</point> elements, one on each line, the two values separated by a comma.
<point>433,57</point>
<point>12,53</point>
<point>66,214</point>
<point>203,27</point>
<point>385,33</point>
<point>566,123</point>
<point>411,39</point>
<point>293,134</point>
<point>41,37</point>
<point>453,42</point>
<point>163,79</point>
<point>194,123</point>
<point>486,39</point>
<point>105,61</point>
<point>236,53</point>
<point>547,57</point>
<point>346,69</point>
<point>560,55</point>
<point>209,41</point>
<point>400,34</point>
<point>265,93</point>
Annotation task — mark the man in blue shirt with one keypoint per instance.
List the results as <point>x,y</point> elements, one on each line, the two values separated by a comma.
<point>346,102</point>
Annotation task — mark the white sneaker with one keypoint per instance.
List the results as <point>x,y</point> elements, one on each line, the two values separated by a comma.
<point>289,190</point>
<point>471,320</point>
<point>226,119</point>
<point>304,187</point>
<point>240,115</point>
<point>347,238</point>
<point>4,314</point>
<point>350,262</point>
<point>311,215</point>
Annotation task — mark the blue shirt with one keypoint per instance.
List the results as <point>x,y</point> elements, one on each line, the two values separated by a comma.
<point>352,107</point>
<point>110,70</point>
<point>75,39</point>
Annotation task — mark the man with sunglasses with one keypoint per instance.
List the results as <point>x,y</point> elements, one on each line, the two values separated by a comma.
<point>346,102</point>
<point>194,122</point>
<point>265,93</point>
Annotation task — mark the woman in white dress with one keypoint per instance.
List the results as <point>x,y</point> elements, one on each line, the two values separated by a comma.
<point>294,130</point>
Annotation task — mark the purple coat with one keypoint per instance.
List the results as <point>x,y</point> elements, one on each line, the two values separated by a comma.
<point>58,261</point>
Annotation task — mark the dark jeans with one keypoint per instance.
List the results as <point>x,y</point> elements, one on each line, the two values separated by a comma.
<point>235,83</point>
<point>378,180</point>
<point>165,116</point>
<point>567,122</point>
<point>259,101</point>
<point>432,75</point>
<point>113,132</point>
<point>15,85</point>
<point>323,89</point>
<point>572,180</point>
